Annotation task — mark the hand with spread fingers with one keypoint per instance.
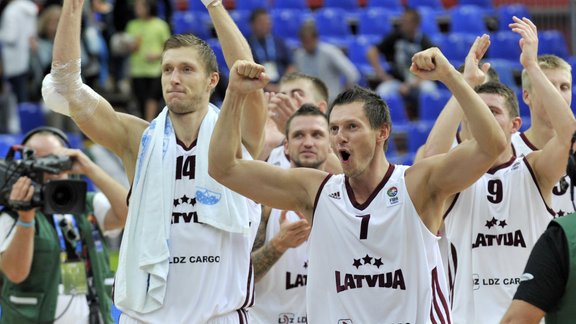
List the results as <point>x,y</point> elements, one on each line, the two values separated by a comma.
<point>529,41</point>
<point>475,74</point>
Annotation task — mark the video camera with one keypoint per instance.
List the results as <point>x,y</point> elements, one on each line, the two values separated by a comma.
<point>55,196</point>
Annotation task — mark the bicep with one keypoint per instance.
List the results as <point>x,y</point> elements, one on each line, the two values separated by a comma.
<point>287,189</point>
<point>118,132</point>
<point>549,163</point>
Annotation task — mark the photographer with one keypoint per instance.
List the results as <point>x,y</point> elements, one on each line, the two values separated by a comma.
<point>56,267</point>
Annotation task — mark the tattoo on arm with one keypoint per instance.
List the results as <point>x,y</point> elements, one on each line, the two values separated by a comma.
<point>263,259</point>
<point>264,255</point>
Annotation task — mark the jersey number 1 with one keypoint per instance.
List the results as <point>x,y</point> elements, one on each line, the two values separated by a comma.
<point>364,226</point>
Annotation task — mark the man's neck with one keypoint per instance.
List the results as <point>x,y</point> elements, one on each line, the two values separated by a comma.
<point>504,156</point>
<point>363,185</point>
<point>539,133</point>
<point>187,126</point>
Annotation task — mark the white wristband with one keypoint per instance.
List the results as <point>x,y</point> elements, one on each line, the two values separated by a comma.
<point>211,3</point>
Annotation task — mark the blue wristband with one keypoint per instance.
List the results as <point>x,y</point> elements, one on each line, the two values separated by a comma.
<point>26,224</point>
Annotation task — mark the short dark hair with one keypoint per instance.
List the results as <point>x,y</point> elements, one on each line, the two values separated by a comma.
<point>319,85</point>
<point>305,110</point>
<point>375,108</point>
<point>206,54</point>
<point>501,89</point>
<point>308,29</point>
<point>257,13</point>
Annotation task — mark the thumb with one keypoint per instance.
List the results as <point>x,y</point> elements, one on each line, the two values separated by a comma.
<point>283,217</point>
<point>485,67</point>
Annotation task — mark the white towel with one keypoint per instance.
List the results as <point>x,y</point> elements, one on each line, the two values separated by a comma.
<point>143,264</point>
<point>217,205</point>
<point>144,253</point>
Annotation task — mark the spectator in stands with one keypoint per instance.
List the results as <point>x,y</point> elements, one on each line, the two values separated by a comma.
<point>324,61</point>
<point>398,49</point>
<point>18,37</point>
<point>150,33</point>
<point>8,118</point>
<point>268,50</point>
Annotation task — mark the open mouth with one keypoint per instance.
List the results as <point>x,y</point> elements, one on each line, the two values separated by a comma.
<point>345,155</point>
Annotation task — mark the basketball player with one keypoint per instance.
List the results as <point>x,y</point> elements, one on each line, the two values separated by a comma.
<point>541,130</point>
<point>373,250</point>
<point>207,277</point>
<point>493,225</point>
<point>280,258</point>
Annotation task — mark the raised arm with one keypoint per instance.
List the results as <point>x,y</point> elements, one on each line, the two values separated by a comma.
<point>447,174</point>
<point>255,179</point>
<point>441,136</point>
<point>235,47</point>
<point>550,163</point>
<point>64,92</point>
<point>112,189</point>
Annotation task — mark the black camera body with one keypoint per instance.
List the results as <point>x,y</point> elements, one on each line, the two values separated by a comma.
<point>55,196</point>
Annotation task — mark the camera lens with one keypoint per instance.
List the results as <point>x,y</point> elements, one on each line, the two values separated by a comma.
<point>62,196</point>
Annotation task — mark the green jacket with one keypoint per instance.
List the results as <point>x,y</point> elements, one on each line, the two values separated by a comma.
<point>34,299</point>
<point>565,312</point>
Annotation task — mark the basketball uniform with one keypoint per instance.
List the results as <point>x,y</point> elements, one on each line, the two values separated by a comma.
<point>281,293</point>
<point>278,158</point>
<point>492,227</point>
<point>561,201</point>
<point>374,262</point>
<point>210,278</point>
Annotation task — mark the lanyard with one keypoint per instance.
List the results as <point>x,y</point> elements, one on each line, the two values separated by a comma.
<point>78,246</point>
<point>269,54</point>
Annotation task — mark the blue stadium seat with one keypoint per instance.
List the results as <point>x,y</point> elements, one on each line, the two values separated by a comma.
<point>394,6</point>
<point>432,104</point>
<point>342,4</point>
<point>31,116</point>
<point>217,48</point>
<point>436,4</point>
<point>468,19</point>
<point>189,22</point>
<point>290,4</point>
<point>6,141</point>
<point>397,112</point>
<point>505,69</point>
<point>552,42</point>
<point>374,22</point>
<point>417,135</point>
<point>286,23</point>
<point>572,61</point>
<point>526,122</point>
<point>504,45</point>
<point>429,20</point>
<point>332,27</point>
<point>242,20</point>
<point>251,4</point>
<point>486,4</point>
<point>456,47</point>
<point>506,12</point>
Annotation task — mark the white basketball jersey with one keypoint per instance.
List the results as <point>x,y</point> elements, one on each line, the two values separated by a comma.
<point>374,262</point>
<point>493,226</point>
<point>561,202</point>
<point>278,158</point>
<point>210,275</point>
<point>281,293</point>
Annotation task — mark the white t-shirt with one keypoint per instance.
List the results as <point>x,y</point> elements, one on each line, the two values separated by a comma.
<point>78,310</point>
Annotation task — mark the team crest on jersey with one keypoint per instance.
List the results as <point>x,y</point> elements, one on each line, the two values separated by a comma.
<point>392,196</point>
<point>207,197</point>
